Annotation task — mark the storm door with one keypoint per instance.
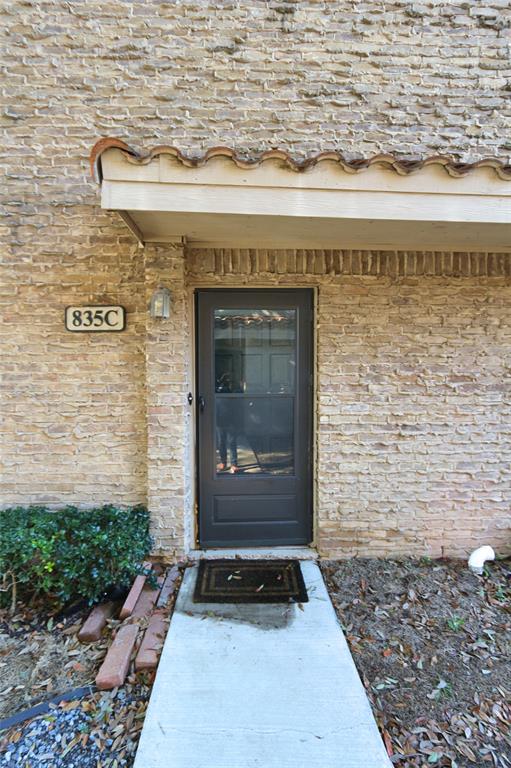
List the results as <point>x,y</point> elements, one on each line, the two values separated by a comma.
<point>254,401</point>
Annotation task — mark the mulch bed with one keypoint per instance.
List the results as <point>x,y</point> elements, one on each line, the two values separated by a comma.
<point>40,657</point>
<point>431,642</point>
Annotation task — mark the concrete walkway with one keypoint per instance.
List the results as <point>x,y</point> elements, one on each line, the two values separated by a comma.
<point>266,686</point>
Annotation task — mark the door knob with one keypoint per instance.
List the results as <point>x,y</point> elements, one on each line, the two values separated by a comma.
<point>202,403</point>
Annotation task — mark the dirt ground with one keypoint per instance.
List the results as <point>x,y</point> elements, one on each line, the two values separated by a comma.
<point>41,657</point>
<point>432,644</point>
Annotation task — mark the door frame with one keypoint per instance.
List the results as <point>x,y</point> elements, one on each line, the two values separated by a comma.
<point>193,538</point>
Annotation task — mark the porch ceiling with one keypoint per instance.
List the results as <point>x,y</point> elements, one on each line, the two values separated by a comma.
<point>270,204</point>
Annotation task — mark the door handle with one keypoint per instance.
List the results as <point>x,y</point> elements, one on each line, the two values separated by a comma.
<point>202,403</point>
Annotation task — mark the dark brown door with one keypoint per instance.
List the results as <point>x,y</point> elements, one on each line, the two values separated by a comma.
<point>254,417</point>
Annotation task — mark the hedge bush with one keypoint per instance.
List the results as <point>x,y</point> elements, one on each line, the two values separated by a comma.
<point>68,554</point>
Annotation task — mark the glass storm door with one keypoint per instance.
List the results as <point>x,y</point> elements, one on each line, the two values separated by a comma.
<point>254,417</point>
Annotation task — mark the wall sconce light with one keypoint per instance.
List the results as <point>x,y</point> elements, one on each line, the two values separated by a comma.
<point>160,303</point>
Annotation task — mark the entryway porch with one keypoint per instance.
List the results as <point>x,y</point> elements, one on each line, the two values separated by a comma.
<point>409,271</point>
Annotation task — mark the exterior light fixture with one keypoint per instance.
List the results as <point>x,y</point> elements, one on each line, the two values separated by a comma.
<point>160,303</point>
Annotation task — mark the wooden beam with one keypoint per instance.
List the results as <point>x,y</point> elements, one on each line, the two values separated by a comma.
<point>133,228</point>
<point>304,203</point>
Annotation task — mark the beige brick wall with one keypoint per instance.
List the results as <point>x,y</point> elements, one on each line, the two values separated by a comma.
<point>170,472</point>
<point>357,75</point>
<point>414,79</point>
<point>73,405</point>
<point>413,409</point>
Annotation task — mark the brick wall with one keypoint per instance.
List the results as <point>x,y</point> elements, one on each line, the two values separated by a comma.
<point>359,77</point>
<point>413,409</point>
<point>73,405</point>
<point>413,437</point>
<point>168,372</point>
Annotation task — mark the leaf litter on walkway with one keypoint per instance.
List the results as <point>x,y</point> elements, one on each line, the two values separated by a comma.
<point>432,645</point>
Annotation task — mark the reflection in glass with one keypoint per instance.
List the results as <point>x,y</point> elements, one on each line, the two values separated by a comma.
<point>255,372</point>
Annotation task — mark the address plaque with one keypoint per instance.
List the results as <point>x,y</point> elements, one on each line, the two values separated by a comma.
<point>95,319</point>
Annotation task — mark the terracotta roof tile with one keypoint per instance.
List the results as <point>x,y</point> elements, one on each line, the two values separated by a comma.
<point>400,166</point>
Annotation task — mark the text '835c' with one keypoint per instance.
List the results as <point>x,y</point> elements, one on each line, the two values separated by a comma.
<point>95,319</point>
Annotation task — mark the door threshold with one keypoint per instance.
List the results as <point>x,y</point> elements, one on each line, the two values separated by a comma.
<point>261,553</point>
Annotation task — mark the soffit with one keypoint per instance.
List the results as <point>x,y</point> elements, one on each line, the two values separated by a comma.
<point>222,199</point>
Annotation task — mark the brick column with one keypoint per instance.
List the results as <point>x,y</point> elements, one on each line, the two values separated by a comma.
<point>169,467</point>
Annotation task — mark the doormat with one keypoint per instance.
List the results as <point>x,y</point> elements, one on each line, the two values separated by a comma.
<point>250,581</point>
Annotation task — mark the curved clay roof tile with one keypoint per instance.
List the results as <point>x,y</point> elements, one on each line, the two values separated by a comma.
<point>401,166</point>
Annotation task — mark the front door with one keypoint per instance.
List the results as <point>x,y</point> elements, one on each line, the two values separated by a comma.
<point>254,417</point>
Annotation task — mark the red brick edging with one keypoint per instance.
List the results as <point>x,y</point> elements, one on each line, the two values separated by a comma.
<point>138,609</point>
<point>115,667</point>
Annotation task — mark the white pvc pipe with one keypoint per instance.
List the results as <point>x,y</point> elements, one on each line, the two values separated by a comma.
<point>478,558</point>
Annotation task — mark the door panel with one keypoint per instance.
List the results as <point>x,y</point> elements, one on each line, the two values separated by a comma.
<point>254,425</point>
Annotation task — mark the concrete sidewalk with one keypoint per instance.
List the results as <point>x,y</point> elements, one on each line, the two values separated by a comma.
<point>266,686</point>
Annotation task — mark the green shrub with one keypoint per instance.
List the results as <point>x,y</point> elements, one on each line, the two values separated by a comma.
<point>69,553</point>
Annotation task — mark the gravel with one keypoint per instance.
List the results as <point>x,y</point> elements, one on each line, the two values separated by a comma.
<point>100,731</point>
